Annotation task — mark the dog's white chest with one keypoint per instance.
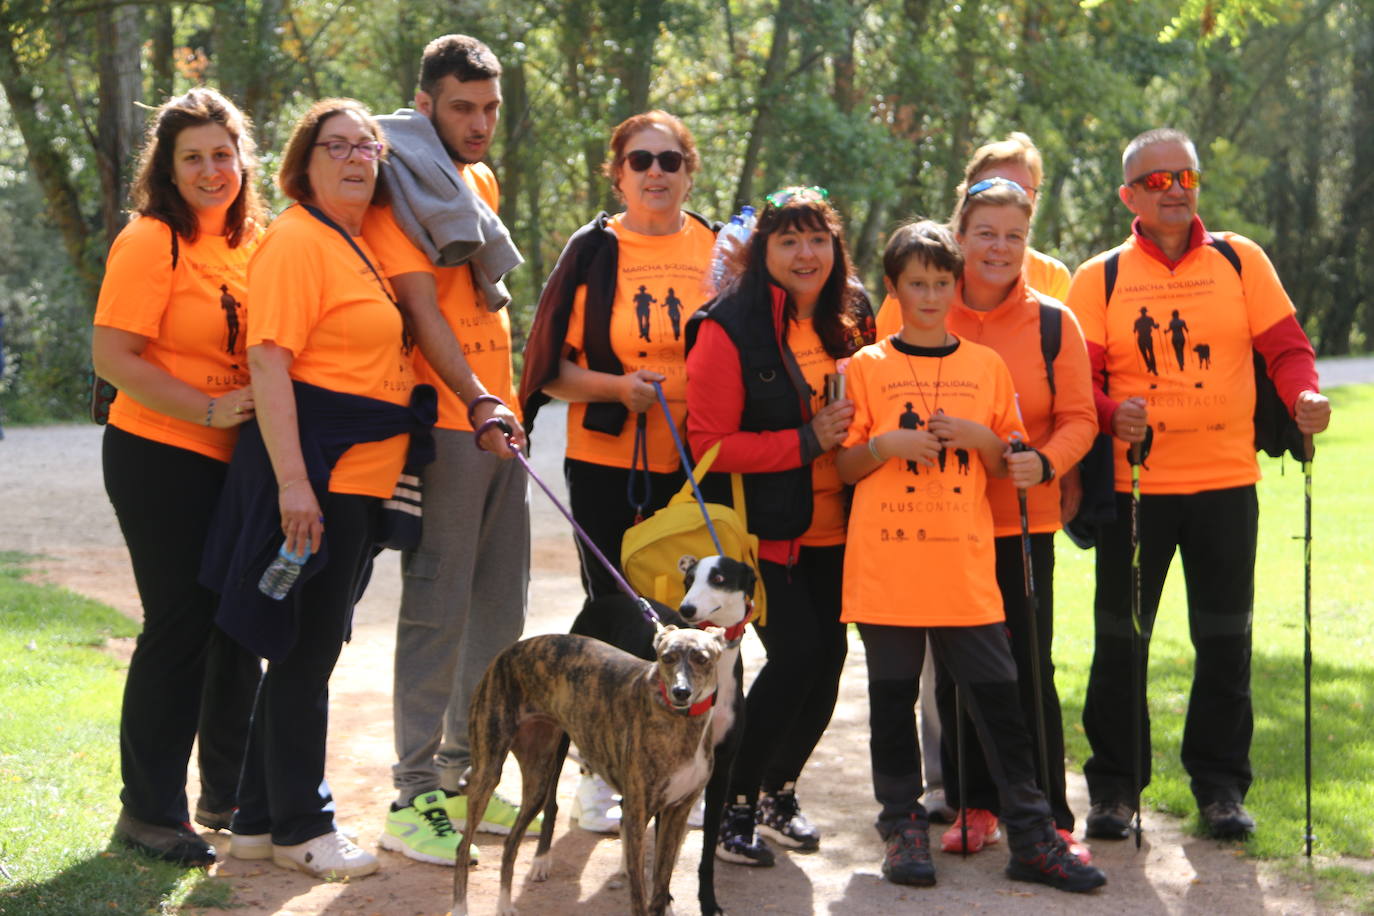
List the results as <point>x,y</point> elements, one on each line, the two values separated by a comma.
<point>691,775</point>
<point>724,714</point>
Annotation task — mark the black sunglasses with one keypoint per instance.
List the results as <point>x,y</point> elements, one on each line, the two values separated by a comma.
<point>670,160</point>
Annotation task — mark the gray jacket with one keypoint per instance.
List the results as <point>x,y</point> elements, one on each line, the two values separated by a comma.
<point>439,212</point>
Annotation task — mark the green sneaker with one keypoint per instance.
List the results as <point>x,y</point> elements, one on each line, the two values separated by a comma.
<point>423,831</point>
<point>499,817</point>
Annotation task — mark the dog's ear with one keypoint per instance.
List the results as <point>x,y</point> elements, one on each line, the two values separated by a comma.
<point>748,580</point>
<point>718,633</point>
<point>660,636</point>
<point>687,563</point>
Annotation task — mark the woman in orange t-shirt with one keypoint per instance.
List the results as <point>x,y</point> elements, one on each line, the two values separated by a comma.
<point>169,333</point>
<point>997,308</point>
<point>756,384</point>
<point>323,318</point>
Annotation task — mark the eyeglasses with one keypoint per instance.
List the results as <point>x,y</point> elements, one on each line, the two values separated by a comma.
<point>670,160</point>
<point>812,194</point>
<point>1162,179</point>
<point>988,183</point>
<point>342,149</point>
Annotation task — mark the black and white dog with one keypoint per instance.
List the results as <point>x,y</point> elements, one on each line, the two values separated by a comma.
<point>720,593</point>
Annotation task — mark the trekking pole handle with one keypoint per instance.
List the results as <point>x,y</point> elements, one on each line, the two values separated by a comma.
<point>1309,448</point>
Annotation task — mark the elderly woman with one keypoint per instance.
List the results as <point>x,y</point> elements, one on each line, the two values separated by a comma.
<point>331,378</point>
<point>756,382</point>
<point>606,329</point>
<point>169,333</point>
<point>997,307</point>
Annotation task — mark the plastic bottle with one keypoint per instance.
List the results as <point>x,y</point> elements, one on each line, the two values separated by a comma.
<point>285,568</point>
<point>733,235</point>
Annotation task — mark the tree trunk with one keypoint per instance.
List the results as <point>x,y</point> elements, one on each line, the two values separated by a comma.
<point>769,88</point>
<point>118,63</point>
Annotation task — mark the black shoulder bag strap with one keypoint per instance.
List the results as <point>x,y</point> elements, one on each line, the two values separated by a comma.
<point>407,339</point>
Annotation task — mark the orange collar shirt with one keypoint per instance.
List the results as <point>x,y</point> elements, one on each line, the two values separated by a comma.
<point>920,548</point>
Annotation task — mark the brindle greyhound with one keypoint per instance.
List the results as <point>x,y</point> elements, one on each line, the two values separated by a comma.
<point>644,727</point>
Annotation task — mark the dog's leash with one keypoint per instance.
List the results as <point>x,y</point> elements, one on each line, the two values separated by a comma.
<point>641,602</point>
<point>687,468</point>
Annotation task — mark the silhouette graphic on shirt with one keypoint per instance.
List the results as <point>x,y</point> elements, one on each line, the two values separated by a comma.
<point>910,419</point>
<point>961,456</point>
<point>1178,336</point>
<point>941,458</point>
<point>643,300</point>
<point>1204,355</point>
<point>674,306</point>
<point>231,319</point>
<point>1144,339</point>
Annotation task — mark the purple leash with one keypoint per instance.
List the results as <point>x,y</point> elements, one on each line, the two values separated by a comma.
<point>644,607</point>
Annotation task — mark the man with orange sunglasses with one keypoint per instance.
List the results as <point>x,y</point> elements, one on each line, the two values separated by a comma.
<point>1197,487</point>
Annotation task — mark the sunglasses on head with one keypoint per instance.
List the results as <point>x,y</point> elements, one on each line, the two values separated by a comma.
<point>670,160</point>
<point>988,183</point>
<point>1163,179</point>
<point>812,194</point>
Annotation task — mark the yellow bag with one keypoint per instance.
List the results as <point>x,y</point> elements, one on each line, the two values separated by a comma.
<point>650,551</point>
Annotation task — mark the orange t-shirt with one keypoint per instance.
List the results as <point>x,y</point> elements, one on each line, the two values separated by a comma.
<point>483,334</point>
<point>921,539</point>
<point>1062,427</point>
<point>314,296</point>
<point>828,511</point>
<point>192,316</point>
<point>1181,339</point>
<point>658,286</point>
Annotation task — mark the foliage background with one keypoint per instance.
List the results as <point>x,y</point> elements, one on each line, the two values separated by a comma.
<point>881,101</point>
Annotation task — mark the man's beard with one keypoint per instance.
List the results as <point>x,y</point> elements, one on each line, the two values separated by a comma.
<point>452,153</point>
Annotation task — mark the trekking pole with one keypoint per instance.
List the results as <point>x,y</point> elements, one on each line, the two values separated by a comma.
<point>1308,450</point>
<point>1135,455</point>
<point>1028,577</point>
<point>959,766</point>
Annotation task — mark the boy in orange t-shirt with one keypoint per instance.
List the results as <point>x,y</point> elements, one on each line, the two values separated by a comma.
<point>932,414</point>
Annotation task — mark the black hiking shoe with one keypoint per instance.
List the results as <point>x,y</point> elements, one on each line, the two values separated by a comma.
<point>1226,820</point>
<point>179,845</point>
<point>1109,820</point>
<point>1050,862</point>
<point>907,859</point>
<point>738,843</point>
<point>780,819</point>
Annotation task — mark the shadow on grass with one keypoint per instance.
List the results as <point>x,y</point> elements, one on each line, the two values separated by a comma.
<point>115,881</point>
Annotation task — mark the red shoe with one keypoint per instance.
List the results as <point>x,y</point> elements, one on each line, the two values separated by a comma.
<point>1078,849</point>
<point>982,831</point>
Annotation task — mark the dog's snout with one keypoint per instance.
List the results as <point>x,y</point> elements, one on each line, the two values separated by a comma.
<point>681,694</point>
<point>688,611</point>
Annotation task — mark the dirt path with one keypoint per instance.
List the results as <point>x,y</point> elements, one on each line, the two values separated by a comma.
<point>54,505</point>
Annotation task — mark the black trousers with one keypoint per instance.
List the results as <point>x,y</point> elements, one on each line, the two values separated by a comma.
<point>793,695</point>
<point>186,676</point>
<point>980,791</point>
<point>979,660</point>
<point>283,790</point>
<point>597,498</point>
<point>1215,532</point>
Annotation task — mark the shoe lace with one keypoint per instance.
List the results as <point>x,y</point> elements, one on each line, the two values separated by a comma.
<point>438,821</point>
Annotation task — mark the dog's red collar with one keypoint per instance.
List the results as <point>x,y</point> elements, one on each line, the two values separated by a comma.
<point>696,709</point>
<point>734,635</point>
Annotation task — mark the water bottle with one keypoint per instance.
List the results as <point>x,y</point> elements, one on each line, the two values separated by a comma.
<point>276,582</point>
<point>733,235</point>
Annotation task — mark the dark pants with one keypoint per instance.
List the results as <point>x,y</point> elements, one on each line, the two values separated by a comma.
<point>793,695</point>
<point>283,789</point>
<point>186,676</point>
<point>598,501</point>
<point>1215,532</point>
<point>979,660</point>
<point>978,787</point>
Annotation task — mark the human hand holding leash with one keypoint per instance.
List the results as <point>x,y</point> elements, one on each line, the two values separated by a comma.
<point>498,437</point>
<point>637,389</point>
<point>831,423</point>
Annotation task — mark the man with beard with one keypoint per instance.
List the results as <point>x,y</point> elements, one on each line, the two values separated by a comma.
<point>464,587</point>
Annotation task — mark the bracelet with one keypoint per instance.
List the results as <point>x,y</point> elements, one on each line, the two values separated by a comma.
<point>481,399</point>
<point>210,412</point>
<point>283,487</point>
<point>873,450</point>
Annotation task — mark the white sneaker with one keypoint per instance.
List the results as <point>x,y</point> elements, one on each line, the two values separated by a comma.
<point>250,845</point>
<point>596,806</point>
<point>329,855</point>
<point>698,815</point>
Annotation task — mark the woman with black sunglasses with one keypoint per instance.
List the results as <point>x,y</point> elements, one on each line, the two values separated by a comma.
<point>607,328</point>
<point>764,355</point>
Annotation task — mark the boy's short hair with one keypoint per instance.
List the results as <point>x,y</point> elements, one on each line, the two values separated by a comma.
<point>926,239</point>
<point>460,56</point>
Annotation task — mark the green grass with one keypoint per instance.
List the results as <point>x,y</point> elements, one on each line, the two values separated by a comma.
<point>1342,649</point>
<point>59,763</point>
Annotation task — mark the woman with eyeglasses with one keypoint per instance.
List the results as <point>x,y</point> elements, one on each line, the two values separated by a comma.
<point>606,329</point>
<point>332,380</point>
<point>168,333</point>
<point>996,306</point>
<point>789,317</point>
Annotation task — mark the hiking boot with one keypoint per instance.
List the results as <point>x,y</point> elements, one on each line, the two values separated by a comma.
<point>1079,849</point>
<point>498,818</point>
<point>780,819</point>
<point>596,807</point>
<point>1226,820</point>
<point>983,831</point>
<point>211,819</point>
<point>1050,862</point>
<point>738,843</point>
<point>907,858</point>
<point>179,845</point>
<point>250,845</point>
<point>423,831</point>
<point>1109,820</point>
<point>329,855</point>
